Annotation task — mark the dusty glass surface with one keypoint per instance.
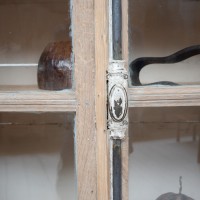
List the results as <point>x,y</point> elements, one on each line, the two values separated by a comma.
<point>37,156</point>
<point>160,28</point>
<point>27,26</point>
<point>164,145</point>
<point>164,142</point>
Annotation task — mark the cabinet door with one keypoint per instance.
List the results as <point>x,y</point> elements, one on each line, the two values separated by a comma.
<point>27,27</point>
<point>37,145</point>
<point>164,36</point>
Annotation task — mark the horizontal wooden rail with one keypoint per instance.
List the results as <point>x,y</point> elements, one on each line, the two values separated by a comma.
<point>31,99</point>
<point>164,96</point>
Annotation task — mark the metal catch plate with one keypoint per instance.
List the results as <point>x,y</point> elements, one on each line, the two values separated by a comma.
<point>117,99</point>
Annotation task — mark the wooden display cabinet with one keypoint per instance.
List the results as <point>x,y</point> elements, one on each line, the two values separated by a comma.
<point>88,97</point>
<point>159,29</point>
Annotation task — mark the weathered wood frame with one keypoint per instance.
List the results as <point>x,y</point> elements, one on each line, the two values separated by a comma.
<point>90,45</point>
<point>90,34</point>
<point>91,53</point>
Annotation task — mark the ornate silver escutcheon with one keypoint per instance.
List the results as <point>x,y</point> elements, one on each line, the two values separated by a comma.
<point>117,99</point>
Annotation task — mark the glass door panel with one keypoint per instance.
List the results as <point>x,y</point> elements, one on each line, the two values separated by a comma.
<point>37,156</point>
<point>159,28</point>
<point>27,27</point>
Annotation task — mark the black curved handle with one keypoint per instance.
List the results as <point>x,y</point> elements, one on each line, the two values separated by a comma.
<point>136,65</point>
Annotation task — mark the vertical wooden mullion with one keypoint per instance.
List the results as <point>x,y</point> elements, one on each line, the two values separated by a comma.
<point>83,31</point>
<point>90,43</point>
<point>125,143</point>
<point>102,62</point>
<point>91,58</point>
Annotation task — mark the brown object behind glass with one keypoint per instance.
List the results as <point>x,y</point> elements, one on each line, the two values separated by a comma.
<point>173,196</point>
<point>55,67</point>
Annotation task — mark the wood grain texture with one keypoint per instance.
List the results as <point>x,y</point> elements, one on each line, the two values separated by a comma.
<point>30,98</point>
<point>125,142</point>
<point>162,96</point>
<point>84,64</point>
<point>102,62</point>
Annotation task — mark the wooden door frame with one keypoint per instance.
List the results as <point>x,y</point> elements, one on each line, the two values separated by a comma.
<point>90,30</point>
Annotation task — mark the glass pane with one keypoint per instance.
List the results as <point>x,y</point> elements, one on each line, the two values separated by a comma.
<point>37,156</point>
<point>27,27</point>
<point>159,28</point>
<point>164,145</point>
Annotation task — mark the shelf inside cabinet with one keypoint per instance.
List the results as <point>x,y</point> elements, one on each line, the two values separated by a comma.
<point>32,99</point>
<point>163,96</point>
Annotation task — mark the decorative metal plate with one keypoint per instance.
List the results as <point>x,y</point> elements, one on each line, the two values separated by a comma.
<point>118,103</point>
<point>117,99</point>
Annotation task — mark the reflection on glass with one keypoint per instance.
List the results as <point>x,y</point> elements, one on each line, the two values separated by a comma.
<point>164,146</point>
<point>161,28</point>
<point>27,26</point>
<point>37,156</point>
